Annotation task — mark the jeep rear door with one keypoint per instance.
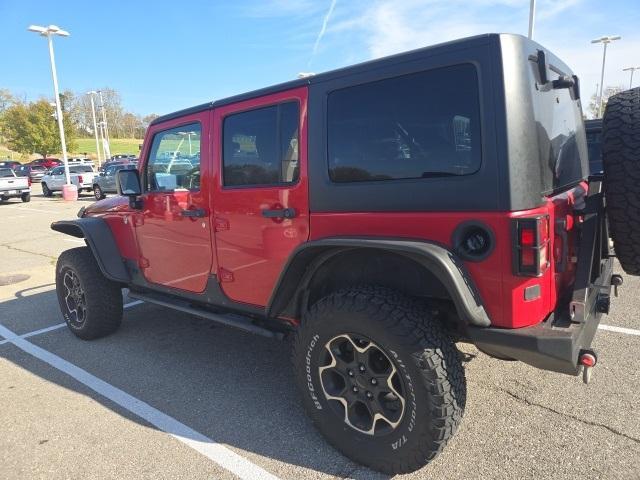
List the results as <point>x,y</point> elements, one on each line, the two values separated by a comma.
<point>173,226</point>
<point>261,205</point>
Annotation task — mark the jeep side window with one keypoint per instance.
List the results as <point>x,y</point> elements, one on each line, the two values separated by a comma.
<point>260,147</point>
<point>174,159</point>
<point>412,126</point>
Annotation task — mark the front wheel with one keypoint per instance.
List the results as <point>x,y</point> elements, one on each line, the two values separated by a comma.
<point>380,378</point>
<point>98,193</point>
<point>45,190</point>
<point>90,303</point>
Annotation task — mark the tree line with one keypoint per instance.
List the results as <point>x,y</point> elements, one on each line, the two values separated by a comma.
<point>31,127</point>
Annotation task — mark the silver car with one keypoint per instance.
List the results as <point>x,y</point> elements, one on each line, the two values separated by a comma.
<point>105,182</point>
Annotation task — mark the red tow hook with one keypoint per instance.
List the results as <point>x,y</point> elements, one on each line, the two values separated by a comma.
<point>588,360</point>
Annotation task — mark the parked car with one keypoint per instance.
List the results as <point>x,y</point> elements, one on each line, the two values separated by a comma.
<point>376,215</point>
<point>121,161</point>
<point>9,164</point>
<point>80,161</point>
<point>122,156</point>
<point>34,172</point>
<point>80,175</point>
<point>105,182</point>
<point>594,143</point>
<point>47,163</point>
<point>12,186</point>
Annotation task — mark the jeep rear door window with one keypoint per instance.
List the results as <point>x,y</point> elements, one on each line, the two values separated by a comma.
<point>260,147</point>
<point>174,160</point>
<point>413,126</point>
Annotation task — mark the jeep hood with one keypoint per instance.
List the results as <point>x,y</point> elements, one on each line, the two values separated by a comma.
<point>112,204</point>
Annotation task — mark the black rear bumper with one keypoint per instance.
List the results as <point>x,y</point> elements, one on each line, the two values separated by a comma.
<point>555,344</point>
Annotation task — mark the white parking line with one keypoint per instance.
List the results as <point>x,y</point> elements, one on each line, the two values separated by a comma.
<point>60,325</point>
<point>627,331</point>
<point>28,209</point>
<point>218,453</point>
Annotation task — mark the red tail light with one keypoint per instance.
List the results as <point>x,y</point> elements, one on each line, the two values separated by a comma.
<point>531,251</point>
<point>79,178</point>
<point>29,180</point>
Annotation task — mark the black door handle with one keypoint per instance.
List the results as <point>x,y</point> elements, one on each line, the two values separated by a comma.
<point>195,213</point>
<point>280,213</point>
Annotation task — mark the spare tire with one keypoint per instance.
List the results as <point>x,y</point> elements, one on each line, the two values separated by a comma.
<point>621,161</point>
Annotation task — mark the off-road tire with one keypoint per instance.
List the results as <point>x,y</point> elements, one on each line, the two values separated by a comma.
<point>621,161</point>
<point>25,197</point>
<point>45,190</point>
<point>102,297</point>
<point>98,193</point>
<point>424,355</point>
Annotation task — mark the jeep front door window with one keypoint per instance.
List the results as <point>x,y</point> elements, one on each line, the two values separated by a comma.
<point>174,160</point>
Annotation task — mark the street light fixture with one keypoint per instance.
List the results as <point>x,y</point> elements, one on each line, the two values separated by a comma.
<point>606,40</point>
<point>95,126</point>
<point>631,69</point>
<point>69,191</point>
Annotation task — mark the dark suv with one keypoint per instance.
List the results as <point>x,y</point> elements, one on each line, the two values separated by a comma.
<point>376,215</point>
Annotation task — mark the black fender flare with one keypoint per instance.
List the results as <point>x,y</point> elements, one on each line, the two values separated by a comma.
<point>306,259</point>
<point>98,236</point>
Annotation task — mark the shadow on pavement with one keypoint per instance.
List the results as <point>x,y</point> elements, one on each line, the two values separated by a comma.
<point>235,388</point>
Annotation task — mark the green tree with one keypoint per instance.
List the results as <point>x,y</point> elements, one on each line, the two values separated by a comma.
<point>32,128</point>
<point>594,105</point>
<point>6,99</point>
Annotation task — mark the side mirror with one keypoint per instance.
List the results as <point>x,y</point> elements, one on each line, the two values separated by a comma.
<point>128,184</point>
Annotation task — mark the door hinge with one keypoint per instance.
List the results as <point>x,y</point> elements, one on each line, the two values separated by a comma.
<point>225,275</point>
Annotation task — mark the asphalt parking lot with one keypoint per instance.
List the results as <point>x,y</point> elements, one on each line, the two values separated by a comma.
<point>173,396</point>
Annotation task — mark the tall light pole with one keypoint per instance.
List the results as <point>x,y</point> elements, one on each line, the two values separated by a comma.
<point>105,129</point>
<point>630,69</point>
<point>48,32</point>
<point>532,18</point>
<point>605,41</point>
<point>95,126</point>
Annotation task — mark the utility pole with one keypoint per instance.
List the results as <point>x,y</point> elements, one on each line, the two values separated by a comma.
<point>105,129</point>
<point>95,125</point>
<point>532,18</point>
<point>631,69</point>
<point>605,41</point>
<point>69,191</point>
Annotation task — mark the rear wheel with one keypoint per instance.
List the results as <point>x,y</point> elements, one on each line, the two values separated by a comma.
<point>90,303</point>
<point>380,379</point>
<point>25,197</point>
<point>621,161</point>
<point>45,190</point>
<point>98,193</point>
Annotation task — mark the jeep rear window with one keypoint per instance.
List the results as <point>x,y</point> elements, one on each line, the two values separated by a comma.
<point>562,144</point>
<point>413,126</point>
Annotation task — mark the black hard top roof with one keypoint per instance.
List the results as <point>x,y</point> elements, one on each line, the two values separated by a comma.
<point>468,42</point>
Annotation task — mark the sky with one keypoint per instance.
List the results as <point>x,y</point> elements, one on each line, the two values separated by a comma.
<point>167,55</point>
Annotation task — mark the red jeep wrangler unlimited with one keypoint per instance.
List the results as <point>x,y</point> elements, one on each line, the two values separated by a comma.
<point>378,213</point>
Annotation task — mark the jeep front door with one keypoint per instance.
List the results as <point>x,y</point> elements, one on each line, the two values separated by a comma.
<point>173,227</point>
<point>261,205</point>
